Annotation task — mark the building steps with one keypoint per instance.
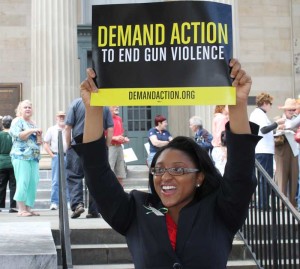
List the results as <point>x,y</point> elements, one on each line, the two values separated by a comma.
<point>95,245</point>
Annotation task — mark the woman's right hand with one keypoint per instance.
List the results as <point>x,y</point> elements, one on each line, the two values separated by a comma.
<point>93,125</point>
<point>88,86</point>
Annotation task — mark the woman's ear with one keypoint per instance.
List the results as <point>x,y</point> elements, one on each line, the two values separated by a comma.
<point>199,179</point>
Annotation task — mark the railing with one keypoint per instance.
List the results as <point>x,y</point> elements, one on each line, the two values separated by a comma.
<point>64,229</point>
<point>272,230</point>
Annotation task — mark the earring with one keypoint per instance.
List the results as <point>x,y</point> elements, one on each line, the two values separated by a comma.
<point>198,185</point>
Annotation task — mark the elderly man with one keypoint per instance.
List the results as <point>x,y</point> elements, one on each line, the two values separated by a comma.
<point>51,147</point>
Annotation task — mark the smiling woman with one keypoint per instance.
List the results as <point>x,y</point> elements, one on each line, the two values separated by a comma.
<point>176,186</point>
<point>191,211</point>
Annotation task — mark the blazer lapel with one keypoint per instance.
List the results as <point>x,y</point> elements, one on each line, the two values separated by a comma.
<point>185,225</point>
<point>159,231</point>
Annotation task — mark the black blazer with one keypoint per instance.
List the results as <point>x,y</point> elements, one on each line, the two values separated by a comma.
<point>205,228</point>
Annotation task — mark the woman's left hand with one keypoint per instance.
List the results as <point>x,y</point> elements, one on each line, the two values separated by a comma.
<point>242,81</point>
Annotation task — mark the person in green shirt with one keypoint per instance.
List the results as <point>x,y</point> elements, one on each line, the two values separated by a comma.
<point>7,175</point>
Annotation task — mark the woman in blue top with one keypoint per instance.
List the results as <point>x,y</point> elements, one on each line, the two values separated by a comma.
<point>25,156</point>
<point>158,136</point>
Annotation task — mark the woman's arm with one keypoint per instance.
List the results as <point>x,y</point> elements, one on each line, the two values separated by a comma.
<point>239,123</point>
<point>238,183</point>
<point>17,130</point>
<point>115,205</point>
<point>93,126</point>
<point>26,133</point>
<point>157,143</point>
<point>269,128</point>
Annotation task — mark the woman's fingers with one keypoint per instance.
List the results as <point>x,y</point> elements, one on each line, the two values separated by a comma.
<point>88,86</point>
<point>90,78</point>
<point>235,67</point>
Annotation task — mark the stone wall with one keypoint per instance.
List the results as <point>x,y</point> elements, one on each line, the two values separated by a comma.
<point>296,43</point>
<point>266,47</point>
<point>15,43</point>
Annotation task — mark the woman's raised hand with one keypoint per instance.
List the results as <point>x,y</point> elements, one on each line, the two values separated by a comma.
<point>242,81</point>
<point>93,125</point>
<point>88,86</point>
<point>238,116</point>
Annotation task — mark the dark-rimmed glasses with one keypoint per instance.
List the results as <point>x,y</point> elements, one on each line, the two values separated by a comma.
<point>173,171</point>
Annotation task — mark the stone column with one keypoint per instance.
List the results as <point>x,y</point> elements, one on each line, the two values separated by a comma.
<point>55,68</point>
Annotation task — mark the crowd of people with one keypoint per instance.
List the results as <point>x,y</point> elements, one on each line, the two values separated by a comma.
<point>195,182</point>
<point>277,151</point>
<point>21,140</point>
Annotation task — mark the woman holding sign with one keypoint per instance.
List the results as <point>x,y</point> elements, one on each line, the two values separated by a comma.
<point>192,213</point>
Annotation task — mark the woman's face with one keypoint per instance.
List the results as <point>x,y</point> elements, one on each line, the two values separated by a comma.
<point>26,110</point>
<point>163,125</point>
<point>176,191</point>
<point>267,106</point>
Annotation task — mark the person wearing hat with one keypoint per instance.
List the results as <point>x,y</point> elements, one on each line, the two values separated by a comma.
<point>286,155</point>
<point>7,174</point>
<point>51,147</point>
<point>294,124</point>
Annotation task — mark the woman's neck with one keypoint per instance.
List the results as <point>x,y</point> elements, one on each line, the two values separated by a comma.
<point>26,118</point>
<point>158,128</point>
<point>174,215</point>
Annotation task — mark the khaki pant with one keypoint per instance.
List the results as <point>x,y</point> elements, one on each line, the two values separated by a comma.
<point>286,175</point>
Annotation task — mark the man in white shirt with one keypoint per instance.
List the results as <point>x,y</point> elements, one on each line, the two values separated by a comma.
<point>51,147</point>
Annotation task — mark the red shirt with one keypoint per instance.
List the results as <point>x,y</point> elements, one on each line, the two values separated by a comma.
<point>172,230</point>
<point>118,128</point>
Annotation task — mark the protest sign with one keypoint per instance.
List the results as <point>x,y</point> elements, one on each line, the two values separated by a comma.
<point>167,53</point>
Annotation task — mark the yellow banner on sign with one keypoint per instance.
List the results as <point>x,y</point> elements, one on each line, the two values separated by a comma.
<point>173,96</point>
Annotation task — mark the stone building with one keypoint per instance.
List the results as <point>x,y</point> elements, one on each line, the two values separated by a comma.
<point>43,42</point>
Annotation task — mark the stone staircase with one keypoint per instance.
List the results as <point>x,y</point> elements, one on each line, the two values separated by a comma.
<point>104,248</point>
<point>98,246</point>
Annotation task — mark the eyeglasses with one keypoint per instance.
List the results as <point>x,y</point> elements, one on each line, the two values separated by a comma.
<point>173,171</point>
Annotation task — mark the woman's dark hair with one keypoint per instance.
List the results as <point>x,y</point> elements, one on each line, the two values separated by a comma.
<point>6,121</point>
<point>201,160</point>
